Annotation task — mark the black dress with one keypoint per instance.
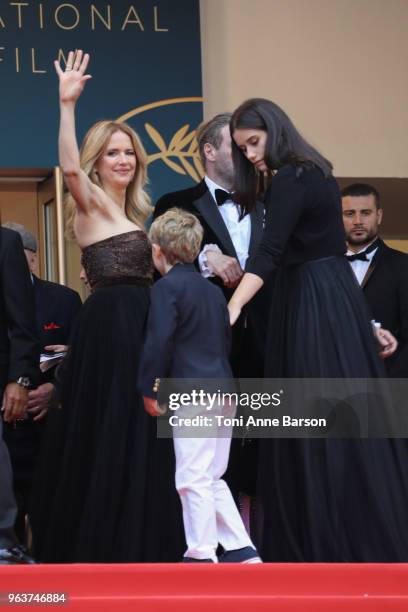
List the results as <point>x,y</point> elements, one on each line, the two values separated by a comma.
<point>322,500</point>
<point>104,479</point>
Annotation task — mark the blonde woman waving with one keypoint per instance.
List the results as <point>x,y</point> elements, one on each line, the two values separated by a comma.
<point>96,477</point>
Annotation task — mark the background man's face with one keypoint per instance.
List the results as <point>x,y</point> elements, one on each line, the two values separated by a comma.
<point>361,219</point>
<point>223,161</point>
<point>32,260</point>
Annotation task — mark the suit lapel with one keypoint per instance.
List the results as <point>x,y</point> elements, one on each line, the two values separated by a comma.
<point>374,263</point>
<point>210,213</point>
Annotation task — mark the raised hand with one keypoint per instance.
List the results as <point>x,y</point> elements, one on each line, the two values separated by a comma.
<point>73,78</point>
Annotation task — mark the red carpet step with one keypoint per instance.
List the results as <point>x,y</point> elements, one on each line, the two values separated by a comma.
<point>195,588</point>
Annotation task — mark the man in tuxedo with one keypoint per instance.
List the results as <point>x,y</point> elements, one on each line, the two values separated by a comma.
<point>229,238</point>
<point>19,357</point>
<point>382,272</point>
<point>55,310</point>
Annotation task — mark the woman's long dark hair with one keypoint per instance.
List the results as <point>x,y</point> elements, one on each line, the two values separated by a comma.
<point>284,145</point>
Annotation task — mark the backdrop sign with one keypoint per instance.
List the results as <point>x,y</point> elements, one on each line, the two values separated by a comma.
<point>146,68</point>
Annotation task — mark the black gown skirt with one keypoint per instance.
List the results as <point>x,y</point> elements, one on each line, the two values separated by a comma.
<point>104,489</point>
<point>328,500</point>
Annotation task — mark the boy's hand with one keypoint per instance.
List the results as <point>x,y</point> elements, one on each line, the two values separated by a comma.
<point>152,407</point>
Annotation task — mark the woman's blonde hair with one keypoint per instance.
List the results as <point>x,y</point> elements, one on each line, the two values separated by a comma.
<point>138,205</point>
<point>178,234</point>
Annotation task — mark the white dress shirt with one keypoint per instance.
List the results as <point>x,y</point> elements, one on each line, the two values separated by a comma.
<point>360,267</point>
<point>239,230</point>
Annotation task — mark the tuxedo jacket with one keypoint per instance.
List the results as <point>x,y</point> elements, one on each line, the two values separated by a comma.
<point>188,330</point>
<point>248,333</point>
<point>56,309</point>
<point>385,286</point>
<point>19,349</point>
<point>199,201</point>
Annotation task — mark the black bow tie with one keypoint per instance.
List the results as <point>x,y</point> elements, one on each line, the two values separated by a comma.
<point>222,196</point>
<point>358,257</point>
<point>362,256</point>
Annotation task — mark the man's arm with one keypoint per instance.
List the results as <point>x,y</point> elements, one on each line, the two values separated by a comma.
<point>18,296</point>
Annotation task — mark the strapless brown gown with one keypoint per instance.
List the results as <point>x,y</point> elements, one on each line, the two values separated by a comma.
<point>104,478</point>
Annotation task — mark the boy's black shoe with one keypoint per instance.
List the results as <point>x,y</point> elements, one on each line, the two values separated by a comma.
<point>241,555</point>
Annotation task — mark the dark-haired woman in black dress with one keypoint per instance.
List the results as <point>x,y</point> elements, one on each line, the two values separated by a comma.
<point>320,500</point>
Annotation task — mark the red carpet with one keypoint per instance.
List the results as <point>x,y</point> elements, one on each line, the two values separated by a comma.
<point>230,588</point>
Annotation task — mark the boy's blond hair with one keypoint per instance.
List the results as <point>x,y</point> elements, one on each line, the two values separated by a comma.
<point>178,234</point>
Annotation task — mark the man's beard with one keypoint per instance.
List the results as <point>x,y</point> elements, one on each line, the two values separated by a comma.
<point>225,172</point>
<point>362,240</point>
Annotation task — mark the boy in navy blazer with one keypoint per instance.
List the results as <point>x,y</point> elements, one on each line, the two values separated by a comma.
<point>188,336</point>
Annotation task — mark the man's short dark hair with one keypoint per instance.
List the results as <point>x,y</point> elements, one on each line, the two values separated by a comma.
<point>210,131</point>
<point>361,189</point>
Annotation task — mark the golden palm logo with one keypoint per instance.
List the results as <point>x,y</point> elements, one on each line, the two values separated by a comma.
<point>183,147</point>
<point>181,153</point>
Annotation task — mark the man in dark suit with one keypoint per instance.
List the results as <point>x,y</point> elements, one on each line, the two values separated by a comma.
<point>56,307</point>
<point>382,272</point>
<point>228,238</point>
<point>19,357</point>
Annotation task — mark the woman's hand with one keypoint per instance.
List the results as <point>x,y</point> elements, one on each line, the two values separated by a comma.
<point>388,344</point>
<point>234,311</point>
<point>73,78</point>
<point>250,284</point>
